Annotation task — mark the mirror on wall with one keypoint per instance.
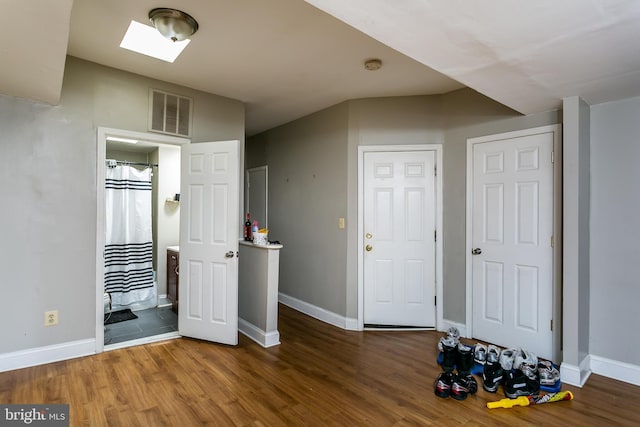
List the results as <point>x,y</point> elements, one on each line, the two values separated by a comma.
<point>256,191</point>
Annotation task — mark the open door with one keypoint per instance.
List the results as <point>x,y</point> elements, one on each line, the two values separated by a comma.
<point>209,230</point>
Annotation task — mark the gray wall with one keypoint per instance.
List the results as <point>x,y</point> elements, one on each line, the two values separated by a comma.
<point>615,230</point>
<point>338,131</point>
<point>48,187</point>
<point>307,194</point>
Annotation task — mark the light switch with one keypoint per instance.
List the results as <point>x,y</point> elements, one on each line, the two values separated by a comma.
<point>341,223</point>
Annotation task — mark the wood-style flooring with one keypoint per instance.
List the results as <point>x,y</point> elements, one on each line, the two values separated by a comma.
<point>319,376</point>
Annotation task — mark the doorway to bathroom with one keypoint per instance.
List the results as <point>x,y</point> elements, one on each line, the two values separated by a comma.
<point>138,220</point>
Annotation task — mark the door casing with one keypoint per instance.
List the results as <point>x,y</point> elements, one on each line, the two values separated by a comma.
<point>437,148</point>
<point>101,148</point>
<point>557,229</point>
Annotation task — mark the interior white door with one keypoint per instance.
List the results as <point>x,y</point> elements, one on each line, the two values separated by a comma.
<point>399,238</point>
<point>512,229</point>
<point>209,230</point>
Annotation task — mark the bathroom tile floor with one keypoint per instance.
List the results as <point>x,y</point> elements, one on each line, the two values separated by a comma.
<point>154,321</point>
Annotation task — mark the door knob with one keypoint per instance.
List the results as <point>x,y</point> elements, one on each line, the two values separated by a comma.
<point>476,251</point>
<point>368,248</point>
<point>229,254</point>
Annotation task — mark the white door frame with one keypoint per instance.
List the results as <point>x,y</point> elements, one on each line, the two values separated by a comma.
<point>362,149</point>
<point>101,144</point>
<point>557,228</point>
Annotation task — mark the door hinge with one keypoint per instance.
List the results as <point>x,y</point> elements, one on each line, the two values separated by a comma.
<point>435,300</point>
<point>552,241</point>
<point>553,157</point>
<point>551,325</point>
<point>435,171</point>
<point>435,235</point>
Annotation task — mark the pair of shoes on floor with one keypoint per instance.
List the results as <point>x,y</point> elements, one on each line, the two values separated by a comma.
<point>520,377</point>
<point>461,384</point>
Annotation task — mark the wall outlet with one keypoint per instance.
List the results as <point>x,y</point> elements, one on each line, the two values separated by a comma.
<point>51,318</point>
<point>341,223</point>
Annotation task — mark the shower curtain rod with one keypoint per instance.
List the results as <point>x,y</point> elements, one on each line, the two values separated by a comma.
<point>120,162</point>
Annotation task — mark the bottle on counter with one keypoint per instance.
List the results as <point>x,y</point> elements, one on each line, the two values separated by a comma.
<point>248,235</point>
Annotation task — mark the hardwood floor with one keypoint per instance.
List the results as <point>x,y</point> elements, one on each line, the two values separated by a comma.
<point>319,376</point>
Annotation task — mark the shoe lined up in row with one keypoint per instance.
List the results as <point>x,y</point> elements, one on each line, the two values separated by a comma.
<point>518,370</point>
<point>460,357</point>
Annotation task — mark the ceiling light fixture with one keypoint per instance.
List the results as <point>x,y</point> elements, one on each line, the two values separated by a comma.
<point>173,24</point>
<point>372,64</point>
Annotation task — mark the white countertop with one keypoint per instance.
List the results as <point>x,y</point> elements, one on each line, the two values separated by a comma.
<point>269,246</point>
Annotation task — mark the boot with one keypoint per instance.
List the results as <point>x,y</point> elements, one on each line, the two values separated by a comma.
<point>464,383</point>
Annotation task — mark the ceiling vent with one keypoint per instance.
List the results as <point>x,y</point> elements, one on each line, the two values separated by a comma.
<point>170,113</point>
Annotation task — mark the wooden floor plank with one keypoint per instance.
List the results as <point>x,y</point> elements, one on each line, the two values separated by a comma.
<point>319,376</point>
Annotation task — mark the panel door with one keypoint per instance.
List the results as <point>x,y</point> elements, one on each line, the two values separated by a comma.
<point>512,223</point>
<point>399,238</point>
<point>209,230</point>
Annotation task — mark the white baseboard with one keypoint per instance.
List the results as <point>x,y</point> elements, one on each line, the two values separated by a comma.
<point>265,339</point>
<point>620,371</point>
<point>49,354</point>
<point>319,313</point>
<point>575,375</point>
<point>462,328</point>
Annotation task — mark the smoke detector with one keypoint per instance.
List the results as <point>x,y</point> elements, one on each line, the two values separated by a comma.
<point>372,64</point>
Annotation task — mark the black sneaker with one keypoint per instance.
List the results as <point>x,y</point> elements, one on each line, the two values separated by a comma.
<point>516,384</point>
<point>443,384</point>
<point>463,386</point>
<point>492,372</point>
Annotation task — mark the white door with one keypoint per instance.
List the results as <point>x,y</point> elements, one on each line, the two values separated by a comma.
<point>512,229</point>
<point>209,230</point>
<point>399,238</point>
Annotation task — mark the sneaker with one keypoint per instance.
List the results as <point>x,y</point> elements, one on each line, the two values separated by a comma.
<point>452,336</point>
<point>527,362</point>
<point>443,384</point>
<point>507,357</point>
<point>492,373</point>
<point>517,384</point>
<point>463,386</point>
<point>480,354</point>
<point>548,374</point>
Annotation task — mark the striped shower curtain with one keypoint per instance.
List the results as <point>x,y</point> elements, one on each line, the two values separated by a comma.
<point>128,252</point>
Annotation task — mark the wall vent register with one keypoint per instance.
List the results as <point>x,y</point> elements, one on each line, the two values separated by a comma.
<point>170,113</point>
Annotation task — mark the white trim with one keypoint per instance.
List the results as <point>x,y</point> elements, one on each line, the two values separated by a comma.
<point>317,312</point>
<point>575,375</point>
<point>101,150</point>
<point>49,354</point>
<point>144,340</point>
<point>439,229</point>
<point>620,371</point>
<point>265,339</point>
<point>555,129</point>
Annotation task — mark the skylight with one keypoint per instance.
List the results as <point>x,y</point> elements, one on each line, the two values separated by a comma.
<point>148,41</point>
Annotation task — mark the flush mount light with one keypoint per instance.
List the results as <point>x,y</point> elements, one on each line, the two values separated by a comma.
<point>173,24</point>
<point>147,41</point>
<point>372,64</point>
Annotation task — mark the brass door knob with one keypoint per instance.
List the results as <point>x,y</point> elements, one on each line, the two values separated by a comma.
<point>368,248</point>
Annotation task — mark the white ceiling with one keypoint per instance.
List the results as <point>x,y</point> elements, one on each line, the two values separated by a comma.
<point>286,58</point>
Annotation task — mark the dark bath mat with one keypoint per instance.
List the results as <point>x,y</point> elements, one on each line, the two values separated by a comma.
<point>119,316</point>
